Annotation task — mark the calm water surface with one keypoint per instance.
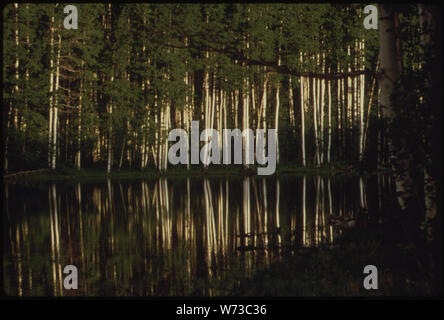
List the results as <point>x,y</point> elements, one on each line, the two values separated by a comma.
<point>169,236</point>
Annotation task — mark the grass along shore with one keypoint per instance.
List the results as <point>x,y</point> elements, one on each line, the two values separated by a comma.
<point>70,174</point>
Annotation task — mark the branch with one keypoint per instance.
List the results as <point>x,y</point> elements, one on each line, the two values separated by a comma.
<point>236,55</point>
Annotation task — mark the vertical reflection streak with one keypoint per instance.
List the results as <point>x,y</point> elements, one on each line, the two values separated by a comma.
<point>330,208</point>
<point>304,212</point>
<point>57,235</point>
<point>278,225</point>
<point>53,258</point>
<point>82,245</point>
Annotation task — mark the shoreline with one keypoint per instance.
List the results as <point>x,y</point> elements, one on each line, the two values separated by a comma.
<point>69,174</point>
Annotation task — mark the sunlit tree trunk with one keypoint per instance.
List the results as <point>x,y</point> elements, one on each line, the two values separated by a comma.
<point>361,101</point>
<point>79,130</point>
<point>302,119</point>
<point>343,111</point>
<point>246,122</point>
<point>53,90</point>
<point>276,119</point>
<point>16,65</point>
<point>15,90</point>
<point>56,98</point>
<point>110,133</point>
<point>276,123</point>
<point>291,106</point>
<point>370,101</point>
<point>261,116</point>
<point>51,94</point>
<point>329,120</point>
<point>321,93</point>
<point>167,128</point>
<point>315,120</point>
<point>207,103</point>
<point>338,119</point>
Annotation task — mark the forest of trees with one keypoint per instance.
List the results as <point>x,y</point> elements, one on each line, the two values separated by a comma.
<point>108,92</point>
<point>105,95</point>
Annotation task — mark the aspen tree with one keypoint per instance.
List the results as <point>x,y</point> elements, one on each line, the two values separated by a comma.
<point>276,119</point>
<point>15,91</point>
<point>276,123</point>
<point>321,106</point>
<point>361,101</point>
<point>315,120</point>
<point>291,106</point>
<point>245,121</point>
<point>370,101</point>
<point>17,61</point>
<point>302,118</point>
<point>51,94</point>
<point>390,74</point>
<point>110,132</point>
<point>339,120</point>
<point>79,130</point>
<point>329,119</point>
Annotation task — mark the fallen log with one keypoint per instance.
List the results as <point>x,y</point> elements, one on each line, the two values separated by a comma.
<point>22,173</point>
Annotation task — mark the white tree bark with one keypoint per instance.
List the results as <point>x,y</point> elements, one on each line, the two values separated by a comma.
<point>329,120</point>
<point>361,100</point>
<point>302,119</point>
<point>51,95</point>
<point>315,121</point>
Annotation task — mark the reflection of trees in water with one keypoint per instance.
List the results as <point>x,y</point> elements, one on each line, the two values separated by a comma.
<point>166,237</point>
<point>315,228</point>
<point>55,241</point>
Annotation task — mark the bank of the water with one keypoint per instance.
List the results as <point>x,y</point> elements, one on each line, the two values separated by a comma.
<point>84,175</point>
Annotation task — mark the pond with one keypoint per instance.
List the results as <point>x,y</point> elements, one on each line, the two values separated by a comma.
<point>171,236</point>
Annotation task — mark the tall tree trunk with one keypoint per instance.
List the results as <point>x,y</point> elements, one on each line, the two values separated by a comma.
<point>53,99</point>
<point>276,122</point>
<point>329,120</point>
<point>55,119</point>
<point>315,120</point>
<point>321,108</point>
<point>361,100</point>
<point>15,91</point>
<point>291,106</point>
<point>51,93</point>
<point>390,73</point>
<point>110,134</point>
<point>302,119</point>
<point>369,108</point>
<point>246,123</point>
<point>79,130</point>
